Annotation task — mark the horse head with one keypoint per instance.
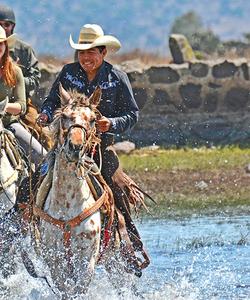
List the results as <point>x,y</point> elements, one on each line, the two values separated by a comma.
<point>74,122</point>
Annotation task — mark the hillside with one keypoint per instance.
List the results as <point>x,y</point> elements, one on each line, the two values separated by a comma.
<point>138,24</point>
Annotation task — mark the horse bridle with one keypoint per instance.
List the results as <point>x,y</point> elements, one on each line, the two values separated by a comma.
<point>65,142</point>
<point>85,161</point>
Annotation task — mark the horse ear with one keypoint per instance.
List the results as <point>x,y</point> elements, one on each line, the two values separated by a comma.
<point>3,106</point>
<point>95,98</point>
<point>64,95</point>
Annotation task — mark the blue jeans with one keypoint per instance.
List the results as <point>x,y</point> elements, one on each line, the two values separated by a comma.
<point>33,149</point>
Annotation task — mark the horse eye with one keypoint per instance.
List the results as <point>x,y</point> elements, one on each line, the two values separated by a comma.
<point>64,116</point>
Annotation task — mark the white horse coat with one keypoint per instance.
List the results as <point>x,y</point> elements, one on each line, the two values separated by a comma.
<point>71,253</point>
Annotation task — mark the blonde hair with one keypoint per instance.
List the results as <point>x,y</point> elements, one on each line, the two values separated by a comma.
<point>8,74</point>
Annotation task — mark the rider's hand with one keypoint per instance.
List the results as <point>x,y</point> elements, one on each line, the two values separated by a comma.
<point>42,119</point>
<point>103,124</point>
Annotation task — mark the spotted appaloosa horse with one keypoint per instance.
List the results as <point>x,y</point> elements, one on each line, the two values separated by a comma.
<point>70,221</point>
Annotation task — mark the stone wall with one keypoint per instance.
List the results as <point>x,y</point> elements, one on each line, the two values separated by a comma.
<point>202,102</point>
<point>193,103</point>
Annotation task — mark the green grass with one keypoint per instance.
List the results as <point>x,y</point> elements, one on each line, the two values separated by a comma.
<point>186,159</point>
<point>178,204</point>
<point>221,168</point>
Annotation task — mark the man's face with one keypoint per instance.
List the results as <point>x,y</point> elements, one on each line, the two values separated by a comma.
<point>8,27</point>
<point>91,59</point>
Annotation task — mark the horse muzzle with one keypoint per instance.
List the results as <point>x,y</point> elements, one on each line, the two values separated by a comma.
<point>75,143</point>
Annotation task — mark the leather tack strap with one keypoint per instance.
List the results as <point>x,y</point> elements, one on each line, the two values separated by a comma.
<point>66,225</point>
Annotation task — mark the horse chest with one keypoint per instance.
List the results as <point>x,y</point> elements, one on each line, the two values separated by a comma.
<point>69,198</point>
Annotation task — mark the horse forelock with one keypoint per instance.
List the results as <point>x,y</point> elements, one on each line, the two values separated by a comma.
<point>77,100</point>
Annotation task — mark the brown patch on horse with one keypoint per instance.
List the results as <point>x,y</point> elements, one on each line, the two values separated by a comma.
<point>93,233</point>
<point>85,235</point>
<point>77,136</point>
<point>92,222</point>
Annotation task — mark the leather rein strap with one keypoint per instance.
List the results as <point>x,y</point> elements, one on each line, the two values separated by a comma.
<point>65,226</point>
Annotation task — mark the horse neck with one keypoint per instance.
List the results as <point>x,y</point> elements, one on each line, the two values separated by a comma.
<point>67,190</point>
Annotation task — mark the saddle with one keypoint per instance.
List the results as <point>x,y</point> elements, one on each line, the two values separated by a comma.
<point>116,216</point>
<point>15,154</point>
<point>29,122</point>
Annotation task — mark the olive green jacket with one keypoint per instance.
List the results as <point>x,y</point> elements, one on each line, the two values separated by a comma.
<point>15,94</point>
<point>25,57</point>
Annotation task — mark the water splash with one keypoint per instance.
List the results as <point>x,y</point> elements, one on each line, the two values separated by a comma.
<point>196,258</point>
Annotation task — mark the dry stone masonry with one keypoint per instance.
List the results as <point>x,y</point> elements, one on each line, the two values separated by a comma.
<point>194,103</point>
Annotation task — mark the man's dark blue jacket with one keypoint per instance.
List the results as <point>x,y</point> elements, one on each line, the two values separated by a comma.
<point>117,102</point>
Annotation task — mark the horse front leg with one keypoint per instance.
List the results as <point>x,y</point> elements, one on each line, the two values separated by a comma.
<point>86,251</point>
<point>71,269</point>
<point>121,276</point>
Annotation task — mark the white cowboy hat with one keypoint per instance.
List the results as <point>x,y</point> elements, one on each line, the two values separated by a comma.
<point>10,40</point>
<point>91,35</point>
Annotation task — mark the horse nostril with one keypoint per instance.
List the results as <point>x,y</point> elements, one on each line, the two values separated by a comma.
<point>75,147</point>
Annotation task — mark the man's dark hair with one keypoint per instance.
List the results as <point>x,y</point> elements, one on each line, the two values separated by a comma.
<point>101,48</point>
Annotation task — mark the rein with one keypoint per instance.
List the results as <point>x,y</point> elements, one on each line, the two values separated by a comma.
<point>65,226</point>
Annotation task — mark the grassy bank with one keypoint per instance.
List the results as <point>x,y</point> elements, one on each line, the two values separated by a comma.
<point>198,180</point>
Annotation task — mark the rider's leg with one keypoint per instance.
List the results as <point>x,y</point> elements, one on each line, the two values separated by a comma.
<point>26,141</point>
<point>110,165</point>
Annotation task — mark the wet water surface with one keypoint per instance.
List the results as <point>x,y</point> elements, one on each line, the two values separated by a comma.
<point>191,258</point>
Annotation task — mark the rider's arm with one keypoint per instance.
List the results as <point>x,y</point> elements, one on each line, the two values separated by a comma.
<point>18,104</point>
<point>126,108</point>
<point>25,57</point>
<point>31,74</point>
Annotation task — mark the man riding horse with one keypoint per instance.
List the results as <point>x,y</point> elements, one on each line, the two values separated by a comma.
<point>118,111</point>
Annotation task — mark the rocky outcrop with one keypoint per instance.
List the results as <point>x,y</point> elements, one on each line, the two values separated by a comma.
<point>48,76</point>
<point>180,49</point>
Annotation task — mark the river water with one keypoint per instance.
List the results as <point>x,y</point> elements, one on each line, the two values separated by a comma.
<point>197,257</point>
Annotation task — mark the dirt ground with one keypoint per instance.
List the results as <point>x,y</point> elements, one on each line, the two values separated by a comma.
<point>197,189</point>
<point>191,182</point>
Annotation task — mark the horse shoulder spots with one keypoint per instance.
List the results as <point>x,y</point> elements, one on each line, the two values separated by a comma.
<point>93,233</point>
<point>86,235</point>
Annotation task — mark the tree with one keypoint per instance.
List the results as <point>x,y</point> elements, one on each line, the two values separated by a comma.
<point>247,37</point>
<point>187,24</point>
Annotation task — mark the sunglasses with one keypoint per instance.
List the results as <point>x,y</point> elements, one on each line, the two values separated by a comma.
<point>5,24</point>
